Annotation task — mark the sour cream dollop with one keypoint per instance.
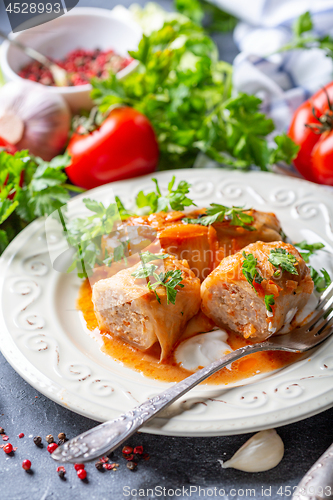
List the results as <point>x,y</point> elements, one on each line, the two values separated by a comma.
<point>201,350</point>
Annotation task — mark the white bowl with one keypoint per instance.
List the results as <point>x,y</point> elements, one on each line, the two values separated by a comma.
<point>83,27</point>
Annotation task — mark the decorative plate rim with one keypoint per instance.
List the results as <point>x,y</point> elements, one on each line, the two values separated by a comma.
<point>294,393</point>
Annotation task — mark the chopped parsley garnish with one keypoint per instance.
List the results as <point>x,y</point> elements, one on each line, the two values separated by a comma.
<point>218,213</point>
<point>279,257</point>
<point>321,282</point>
<point>249,269</point>
<point>169,280</point>
<point>119,253</point>
<point>269,302</point>
<point>175,199</point>
<point>146,269</point>
<point>310,249</point>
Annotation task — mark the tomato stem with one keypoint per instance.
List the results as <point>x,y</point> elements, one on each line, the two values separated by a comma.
<point>325,121</point>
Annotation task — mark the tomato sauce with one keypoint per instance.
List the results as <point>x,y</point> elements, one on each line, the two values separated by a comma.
<point>148,364</point>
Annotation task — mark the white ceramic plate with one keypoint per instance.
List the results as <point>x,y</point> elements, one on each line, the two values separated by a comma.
<point>43,338</point>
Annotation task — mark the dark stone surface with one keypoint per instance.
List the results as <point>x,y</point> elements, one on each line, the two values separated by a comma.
<point>175,462</point>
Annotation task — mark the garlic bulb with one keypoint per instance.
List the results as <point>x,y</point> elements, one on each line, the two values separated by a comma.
<point>261,452</point>
<point>34,118</point>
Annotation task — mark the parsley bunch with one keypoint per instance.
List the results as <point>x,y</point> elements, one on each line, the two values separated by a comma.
<point>186,94</point>
<point>29,188</point>
<point>169,280</point>
<point>218,213</point>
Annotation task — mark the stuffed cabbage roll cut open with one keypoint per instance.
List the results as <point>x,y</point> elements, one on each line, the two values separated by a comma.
<point>149,302</point>
<point>257,290</point>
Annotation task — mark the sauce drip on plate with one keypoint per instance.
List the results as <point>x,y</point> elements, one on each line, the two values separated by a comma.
<point>148,362</point>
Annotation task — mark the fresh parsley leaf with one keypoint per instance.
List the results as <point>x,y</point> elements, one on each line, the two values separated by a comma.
<point>29,188</point>
<point>286,150</point>
<point>146,257</point>
<point>193,9</point>
<point>279,257</point>
<point>218,213</point>
<point>85,234</point>
<point>3,240</point>
<point>303,38</point>
<point>7,207</point>
<point>269,302</point>
<point>310,249</point>
<point>123,212</point>
<point>302,24</point>
<point>169,280</point>
<point>249,269</point>
<point>145,269</point>
<point>321,282</point>
<point>175,199</point>
<point>119,253</point>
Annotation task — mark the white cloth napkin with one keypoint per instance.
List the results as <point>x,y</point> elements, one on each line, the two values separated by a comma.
<point>283,80</point>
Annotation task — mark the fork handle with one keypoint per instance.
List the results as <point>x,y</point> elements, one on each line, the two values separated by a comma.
<point>106,437</point>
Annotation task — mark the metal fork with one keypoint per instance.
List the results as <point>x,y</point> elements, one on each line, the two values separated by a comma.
<point>106,437</point>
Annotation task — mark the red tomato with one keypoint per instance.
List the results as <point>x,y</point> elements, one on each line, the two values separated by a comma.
<point>123,146</point>
<point>315,158</point>
<point>5,146</point>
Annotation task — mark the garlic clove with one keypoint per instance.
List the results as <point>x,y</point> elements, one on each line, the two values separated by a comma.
<point>11,127</point>
<point>261,452</point>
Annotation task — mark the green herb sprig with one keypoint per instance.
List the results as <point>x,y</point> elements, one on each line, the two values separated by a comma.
<point>209,15</point>
<point>249,269</point>
<point>29,188</point>
<point>85,235</point>
<point>304,38</point>
<point>269,302</point>
<point>218,213</point>
<point>145,269</point>
<point>175,199</point>
<point>170,280</point>
<point>279,257</point>
<point>310,249</point>
<point>321,282</point>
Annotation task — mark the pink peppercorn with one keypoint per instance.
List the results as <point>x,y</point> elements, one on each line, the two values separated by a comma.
<point>78,466</point>
<point>52,447</point>
<point>81,474</point>
<point>26,464</point>
<point>8,448</point>
<point>138,450</point>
